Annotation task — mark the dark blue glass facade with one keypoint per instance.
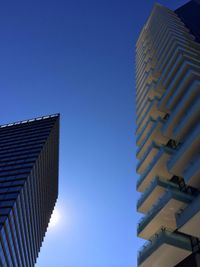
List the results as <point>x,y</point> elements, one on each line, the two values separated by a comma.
<point>28,187</point>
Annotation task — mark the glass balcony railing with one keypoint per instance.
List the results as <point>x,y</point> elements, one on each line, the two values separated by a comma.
<point>164,236</point>
<point>158,181</point>
<point>183,216</point>
<point>192,169</point>
<point>170,55</point>
<point>150,112</point>
<point>189,75</point>
<point>162,101</point>
<point>155,209</point>
<point>175,71</point>
<point>150,92</point>
<point>142,109</point>
<point>162,201</point>
<point>143,95</point>
<point>150,105</point>
<point>181,78</point>
<point>182,151</point>
<point>190,118</point>
<point>142,88</point>
<point>146,128</point>
<point>143,78</point>
<point>148,133</point>
<point>163,150</point>
<point>153,129</point>
<point>153,148</point>
<point>179,70</point>
<point>172,126</point>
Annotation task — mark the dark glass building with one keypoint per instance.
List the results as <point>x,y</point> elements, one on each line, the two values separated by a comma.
<point>28,187</point>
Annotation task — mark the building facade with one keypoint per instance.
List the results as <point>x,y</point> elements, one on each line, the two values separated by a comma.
<point>168,137</point>
<point>28,187</point>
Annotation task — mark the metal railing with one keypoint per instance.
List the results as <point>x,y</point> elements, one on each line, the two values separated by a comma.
<point>164,235</point>
<point>161,202</point>
<point>158,181</point>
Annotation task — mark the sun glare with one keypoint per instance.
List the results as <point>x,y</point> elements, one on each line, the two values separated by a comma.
<point>55,218</point>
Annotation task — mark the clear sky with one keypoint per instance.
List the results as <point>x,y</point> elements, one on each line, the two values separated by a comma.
<point>76,57</point>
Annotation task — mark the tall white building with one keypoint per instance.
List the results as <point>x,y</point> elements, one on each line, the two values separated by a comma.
<point>168,137</point>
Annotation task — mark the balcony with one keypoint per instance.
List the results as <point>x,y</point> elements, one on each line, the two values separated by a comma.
<point>145,77</point>
<point>176,46</point>
<point>150,92</point>
<point>143,80</point>
<point>146,128</point>
<point>192,172</point>
<point>144,94</point>
<point>158,165</point>
<point>154,134</point>
<point>141,65</point>
<point>184,155</point>
<point>189,218</point>
<point>179,113</point>
<point>148,156</point>
<point>192,74</point>
<point>163,212</point>
<point>180,83</point>
<point>152,111</point>
<point>191,117</point>
<point>155,190</point>
<point>142,109</point>
<point>166,249</point>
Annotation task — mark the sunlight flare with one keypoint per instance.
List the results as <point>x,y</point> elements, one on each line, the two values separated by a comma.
<point>55,218</point>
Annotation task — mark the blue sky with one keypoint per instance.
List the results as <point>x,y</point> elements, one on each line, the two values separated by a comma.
<point>77,57</point>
